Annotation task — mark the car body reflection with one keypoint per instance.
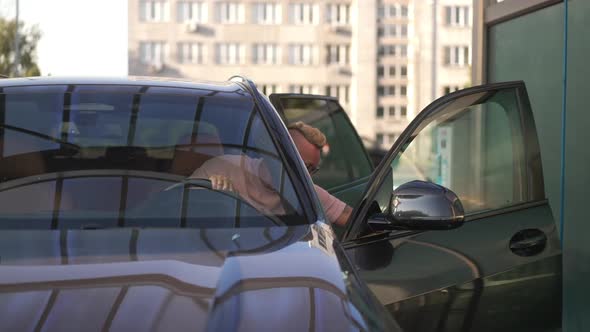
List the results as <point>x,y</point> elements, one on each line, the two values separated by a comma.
<point>161,279</point>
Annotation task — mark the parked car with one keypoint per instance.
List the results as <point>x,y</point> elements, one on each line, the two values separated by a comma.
<point>109,221</point>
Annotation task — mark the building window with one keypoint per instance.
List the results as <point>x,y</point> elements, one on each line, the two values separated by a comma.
<point>403,110</point>
<point>153,10</point>
<point>338,54</point>
<point>303,13</point>
<point>229,12</point>
<point>387,90</point>
<point>342,92</point>
<point>386,50</point>
<point>301,88</point>
<point>392,12</point>
<point>267,89</point>
<point>403,51</point>
<point>380,71</point>
<point>153,52</point>
<point>380,112</point>
<point>265,54</point>
<point>404,30</point>
<point>457,56</point>
<point>450,88</point>
<point>190,53</point>
<point>403,90</point>
<point>191,11</point>
<point>391,111</point>
<point>390,90</point>
<point>266,13</point>
<point>301,54</point>
<point>338,14</point>
<point>392,71</point>
<point>457,16</point>
<point>390,138</point>
<point>389,30</point>
<point>404,71</point>
<point>404,10</point>
<point>379,138</point>
<point>229,54</point>
<point>387,11</point>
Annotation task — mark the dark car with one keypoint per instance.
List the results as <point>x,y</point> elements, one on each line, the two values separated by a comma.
<point>109,219</point>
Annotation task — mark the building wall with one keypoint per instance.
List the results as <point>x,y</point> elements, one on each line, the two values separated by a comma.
<point>357,80</point>
<point>576,228</point>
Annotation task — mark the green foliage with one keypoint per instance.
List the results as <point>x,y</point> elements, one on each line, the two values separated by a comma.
<point>28,39</point>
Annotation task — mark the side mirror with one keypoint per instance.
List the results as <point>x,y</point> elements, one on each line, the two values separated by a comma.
<point>420,205</point>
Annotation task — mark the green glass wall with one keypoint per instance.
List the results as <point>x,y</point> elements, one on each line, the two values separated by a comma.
<point>531,48</point>
<point>576,240</point>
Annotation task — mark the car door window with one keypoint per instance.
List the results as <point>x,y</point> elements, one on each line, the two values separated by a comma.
<point>344,159</point>
<point>474,148</point>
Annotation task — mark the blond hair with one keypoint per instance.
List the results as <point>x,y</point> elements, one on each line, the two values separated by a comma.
<point>311,134</point>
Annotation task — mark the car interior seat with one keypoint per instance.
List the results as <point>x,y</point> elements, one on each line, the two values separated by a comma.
<point>193,150</point>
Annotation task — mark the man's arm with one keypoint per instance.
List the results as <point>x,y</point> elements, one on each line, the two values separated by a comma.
<point>344,216</point>
<point>337,211</point>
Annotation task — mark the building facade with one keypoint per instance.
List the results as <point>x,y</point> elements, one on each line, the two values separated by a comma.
<point>373,55</point>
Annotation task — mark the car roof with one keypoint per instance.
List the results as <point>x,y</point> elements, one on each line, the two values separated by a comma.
<point>225,86</point>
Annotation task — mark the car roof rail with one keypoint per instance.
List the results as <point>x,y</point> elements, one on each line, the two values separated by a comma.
<point>244,80</point>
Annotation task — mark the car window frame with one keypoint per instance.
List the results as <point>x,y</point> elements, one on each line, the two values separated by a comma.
<point>300,179</point>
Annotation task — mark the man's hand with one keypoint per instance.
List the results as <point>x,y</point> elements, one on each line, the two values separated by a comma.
<point>221,182</point>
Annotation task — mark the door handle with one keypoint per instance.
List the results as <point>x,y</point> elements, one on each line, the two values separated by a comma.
<point>528,242</point>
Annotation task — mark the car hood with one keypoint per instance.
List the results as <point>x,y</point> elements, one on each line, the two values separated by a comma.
<point>174,279</point>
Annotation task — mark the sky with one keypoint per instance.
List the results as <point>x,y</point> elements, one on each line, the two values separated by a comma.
<point>79,37</point>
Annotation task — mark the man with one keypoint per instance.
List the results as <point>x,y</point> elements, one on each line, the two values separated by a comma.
<point>251,179</point>
<point>309,142</point>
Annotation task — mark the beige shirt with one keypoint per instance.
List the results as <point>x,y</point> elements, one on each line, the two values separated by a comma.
<point>333,207</point>
<point>250,178</point>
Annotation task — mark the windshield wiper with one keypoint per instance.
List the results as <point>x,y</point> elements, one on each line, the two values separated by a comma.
<point>42,136</point>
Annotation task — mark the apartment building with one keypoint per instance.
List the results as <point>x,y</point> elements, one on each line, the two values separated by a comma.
<point>370,54</point>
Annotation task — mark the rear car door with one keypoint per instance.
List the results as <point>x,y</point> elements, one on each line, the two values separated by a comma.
<point>501,270</point>
<point>345,168</point>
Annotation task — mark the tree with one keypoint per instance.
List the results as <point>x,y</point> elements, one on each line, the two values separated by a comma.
<point>27,48</point>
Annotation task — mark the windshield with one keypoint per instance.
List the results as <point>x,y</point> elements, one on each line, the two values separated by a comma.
<point>138,156</point>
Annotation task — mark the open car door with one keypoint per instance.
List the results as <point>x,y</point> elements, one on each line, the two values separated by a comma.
<point>454,232</point>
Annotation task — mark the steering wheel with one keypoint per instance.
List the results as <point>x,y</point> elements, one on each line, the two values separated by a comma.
<point>206,184</point>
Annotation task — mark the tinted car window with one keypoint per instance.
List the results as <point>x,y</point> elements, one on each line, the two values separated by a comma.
<point>344,159</point>
<point>477,150</point>
<point>100,156</point>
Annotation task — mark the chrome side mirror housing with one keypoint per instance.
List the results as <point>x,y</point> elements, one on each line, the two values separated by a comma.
<point>420,205</point>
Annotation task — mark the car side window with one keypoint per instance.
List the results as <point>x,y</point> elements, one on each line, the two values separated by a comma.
<point>474,148</point>
<point>344,159</point>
